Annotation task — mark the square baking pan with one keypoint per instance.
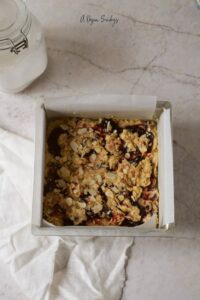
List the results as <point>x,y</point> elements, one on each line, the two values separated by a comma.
<point>95,106</point>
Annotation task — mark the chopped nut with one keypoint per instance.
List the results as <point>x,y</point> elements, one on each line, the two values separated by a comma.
<point>63,138</point>
<point>74,189</point>
<point>93,157</point>
<point>127,155</point>
<point>112,175</point>
<point>134,214</point>
<point>82,130</point>
<point>98,149</point>
<point>99,178</point>
<point>69,201</point>
<point>92,192</point>
<point>109,127</point>
<point>64,173</point>
<point>125,170</point>
<point>113,161</point>
<point>121,197</point>
<point>80,171</point>
<point>74,146</point>
<point>109,193</point>
<point>115,189</point>
<point>82,204</point>
<point>63,126</point>
<point>143,173</point>
<point>97,208</point>
<point>143,143</point>
<point>125,208</point>
<point>61,183</point>
<point>136,192</point>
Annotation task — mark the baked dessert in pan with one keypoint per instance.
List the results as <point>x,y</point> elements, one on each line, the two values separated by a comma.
<point>101,172</point>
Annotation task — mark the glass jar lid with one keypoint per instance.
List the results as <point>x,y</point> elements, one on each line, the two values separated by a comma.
<point>15,23</point>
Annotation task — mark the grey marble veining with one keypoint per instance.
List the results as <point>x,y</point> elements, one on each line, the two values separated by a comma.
<point>153,49</point>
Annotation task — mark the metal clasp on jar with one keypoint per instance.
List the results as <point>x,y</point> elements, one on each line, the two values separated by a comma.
<point>21,45</point>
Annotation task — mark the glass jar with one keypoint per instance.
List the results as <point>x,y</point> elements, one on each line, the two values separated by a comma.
<point>23,55</point>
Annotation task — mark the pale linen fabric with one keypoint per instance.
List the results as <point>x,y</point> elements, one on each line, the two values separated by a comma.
<point>51,268</point>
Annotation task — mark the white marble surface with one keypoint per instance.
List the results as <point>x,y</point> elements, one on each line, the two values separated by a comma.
<point>154,49</point>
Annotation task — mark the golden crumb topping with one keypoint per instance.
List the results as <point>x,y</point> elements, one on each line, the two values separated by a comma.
<point>101,172</point>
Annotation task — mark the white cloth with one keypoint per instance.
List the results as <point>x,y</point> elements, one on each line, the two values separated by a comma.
<point>52,268</point>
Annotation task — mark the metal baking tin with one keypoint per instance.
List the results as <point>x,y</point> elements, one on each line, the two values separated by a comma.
<point>70,106</point>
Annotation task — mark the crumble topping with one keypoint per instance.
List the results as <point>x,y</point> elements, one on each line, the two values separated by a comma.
<point>101,172</point>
